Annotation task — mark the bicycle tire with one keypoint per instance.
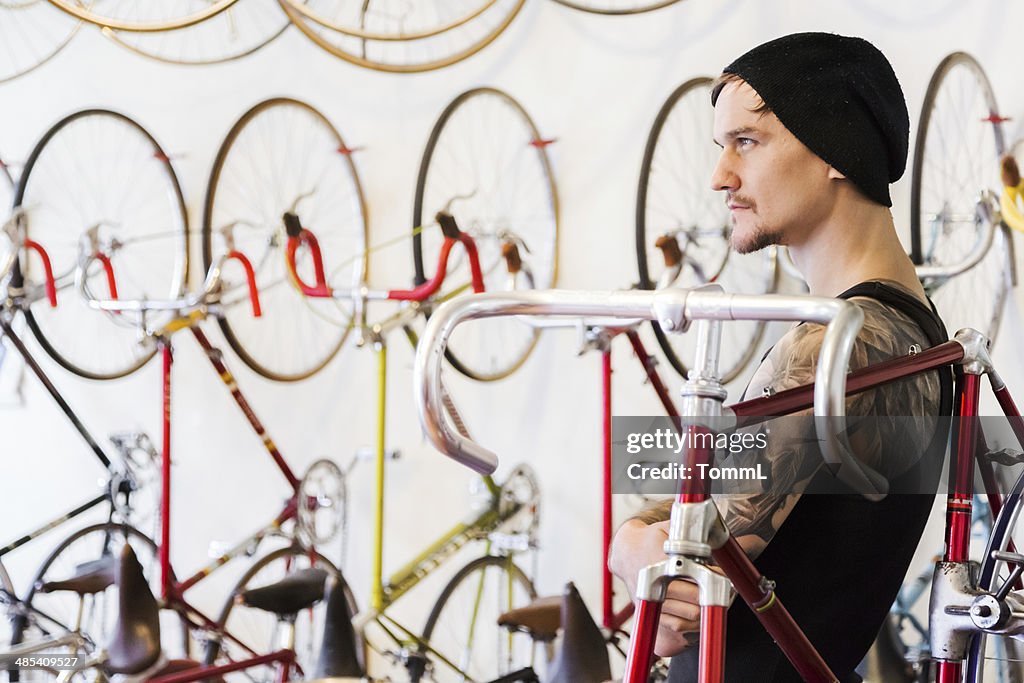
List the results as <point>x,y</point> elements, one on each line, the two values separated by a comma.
<point>483,215</point>
<point>8,604</point>
<point>381,55</point>
<point>1009,651</point>
<point>256,628</point>
<point>6,189</point>
<point>689,104</point>
<point>23,29</point>
<point>61,606</point>
<point>276,347</point>
<point>237,32</point>
<point>945,188</point>
<point>205,11</point>
<point>492,665</point>
<point>641,7</point>
<point>88,343</point>
<point>403,33</point>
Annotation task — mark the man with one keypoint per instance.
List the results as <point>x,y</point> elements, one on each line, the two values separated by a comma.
<point>813,128</point>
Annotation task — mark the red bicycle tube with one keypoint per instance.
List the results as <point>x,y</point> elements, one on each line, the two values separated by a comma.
<point>694,489</point>
<point>961,489</point>
<point>641,645</point>
<point>108,268</point>
<point>166,578</point>
<point>711,659</point>
<point>949,672</point>
<point>306,237</point>
<point>474,262</point>
<point>51,286</point>
<point>250,277</point>
<point>759,594</point>
<point>428,288</point>
<point>607,611</point>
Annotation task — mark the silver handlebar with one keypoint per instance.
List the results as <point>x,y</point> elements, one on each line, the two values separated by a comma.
<point>674,309</point>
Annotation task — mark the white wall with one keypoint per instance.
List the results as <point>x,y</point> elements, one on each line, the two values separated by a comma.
<point>595,83</point>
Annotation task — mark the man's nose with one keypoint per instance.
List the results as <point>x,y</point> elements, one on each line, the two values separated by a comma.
<point>724,176</point>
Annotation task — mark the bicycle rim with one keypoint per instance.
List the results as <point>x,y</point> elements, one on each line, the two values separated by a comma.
<point>463,624</point>
<point>992,658</point>
<point>238,31</point>
<point>435,51</point>
<point>486,164</point>
<point>98,169</point>
<point>284,155</point>
<point>616,7</point>
<point>6,189</point>
<point>99,611</point>
<point>956,157</point>
<point>391,21</point>
<point>674,198</point>
<point>262,631</point>
<point>130,15</point>
<point>32,34</point>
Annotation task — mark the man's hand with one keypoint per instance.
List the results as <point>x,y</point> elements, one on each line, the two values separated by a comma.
<point>637,545</point>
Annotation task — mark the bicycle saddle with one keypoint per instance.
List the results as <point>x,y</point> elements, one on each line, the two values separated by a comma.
<point>135,641</point>
<point>341,652</point>
<point>541,618</point>
<point>89,577</point>
<point>290,595</point>
<point>583,657</point>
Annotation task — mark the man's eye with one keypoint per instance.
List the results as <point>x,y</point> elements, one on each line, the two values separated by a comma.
<point>744,142</point>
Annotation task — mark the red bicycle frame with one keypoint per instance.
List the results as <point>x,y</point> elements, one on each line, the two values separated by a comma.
<point>172,590</point>
<point>759,593</point>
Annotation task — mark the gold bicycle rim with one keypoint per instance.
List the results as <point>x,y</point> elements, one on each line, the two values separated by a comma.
<point>191,20</point>
<point>324,44</point>
<point>305,10</point>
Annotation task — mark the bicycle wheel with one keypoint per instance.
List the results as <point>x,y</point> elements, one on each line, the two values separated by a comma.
<point>616,6</point>
<point>32,33</point>
<point>55,613</point>
<point>6,190</point>
<point>99,173</point>
<point>388,20</point>
<point>674,200</point>
<point>262,631</point>
<point>956,158</point>
<point>283,155</point>
<point>463,624</point>
<point>238,31</point>
<point>132,15</point>
<point>8,604</point>
<point>995,658</point>
<point>486,164</point>
<point>402,37</point>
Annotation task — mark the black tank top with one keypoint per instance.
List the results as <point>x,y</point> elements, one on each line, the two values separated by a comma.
<point>839,560</point>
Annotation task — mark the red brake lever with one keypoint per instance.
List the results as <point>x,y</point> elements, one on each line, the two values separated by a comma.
<point>250,277</point>
<point>108,268</point>
<point>297,235</point>
<point>452,234</point>
<point>51,286</point>
<point>476,273</point>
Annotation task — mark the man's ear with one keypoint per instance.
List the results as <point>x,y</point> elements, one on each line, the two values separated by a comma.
<point>834,174</point>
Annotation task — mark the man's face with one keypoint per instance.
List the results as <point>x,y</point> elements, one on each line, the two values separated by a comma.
<point>776,189</point>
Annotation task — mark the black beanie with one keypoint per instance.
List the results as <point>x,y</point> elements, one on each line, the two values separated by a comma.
<point>840,97</point>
